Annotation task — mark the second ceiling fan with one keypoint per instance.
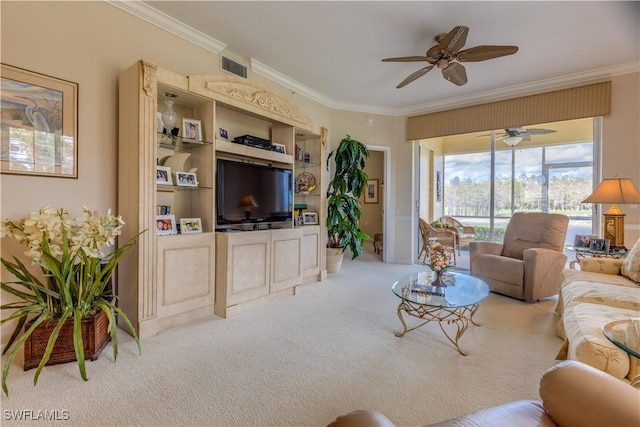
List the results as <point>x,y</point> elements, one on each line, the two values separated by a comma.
<point>446,51</point>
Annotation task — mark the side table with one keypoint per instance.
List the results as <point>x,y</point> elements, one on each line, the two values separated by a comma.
<point>625,334</point>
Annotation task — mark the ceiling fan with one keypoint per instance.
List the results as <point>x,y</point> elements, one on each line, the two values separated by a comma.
<point>513,136</point>
<point>446,51</point>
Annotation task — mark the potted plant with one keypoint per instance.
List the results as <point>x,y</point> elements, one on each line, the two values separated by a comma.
<point>343,202</point>
<point>74,285</point>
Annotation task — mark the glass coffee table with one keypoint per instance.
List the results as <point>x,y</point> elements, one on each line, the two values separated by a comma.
<point>455,303</point>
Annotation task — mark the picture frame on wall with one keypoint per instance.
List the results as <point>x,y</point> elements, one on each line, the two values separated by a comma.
<point>371,192</point>
<point>310,218</point>
<point>190,225</point>
<point>192,130</point>
<point>165,225</point>
<point>40,115</point>
<point>186,179</point>
<point>163,175</point>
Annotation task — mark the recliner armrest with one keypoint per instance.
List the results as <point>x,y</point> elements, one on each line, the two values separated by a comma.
<point>576,394</point>
<point>479,248</point>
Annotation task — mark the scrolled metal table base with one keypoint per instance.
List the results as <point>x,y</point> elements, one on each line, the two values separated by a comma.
<point>460,316</point>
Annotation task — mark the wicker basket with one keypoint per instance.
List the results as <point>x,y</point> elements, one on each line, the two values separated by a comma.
<point>95,336</point>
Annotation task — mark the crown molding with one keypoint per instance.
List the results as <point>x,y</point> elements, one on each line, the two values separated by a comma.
<point>538,86</point>
<point>167,23</point>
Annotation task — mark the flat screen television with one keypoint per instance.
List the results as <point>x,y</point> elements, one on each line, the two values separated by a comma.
<point>252,193</point>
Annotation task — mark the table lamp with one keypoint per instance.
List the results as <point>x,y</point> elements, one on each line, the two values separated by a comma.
<point>247,203</point>
<point>615,191</point>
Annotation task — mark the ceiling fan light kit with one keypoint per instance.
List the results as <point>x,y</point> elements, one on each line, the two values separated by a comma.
<point>448,50</point>
<point>512,141</point>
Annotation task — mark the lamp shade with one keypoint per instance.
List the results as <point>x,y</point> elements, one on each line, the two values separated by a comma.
<point>512,140</point>
<point>248,201</point>
<point>615,190</point>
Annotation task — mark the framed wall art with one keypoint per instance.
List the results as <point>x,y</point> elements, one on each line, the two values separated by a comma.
<point>371,192</point>
<point>39,124</point>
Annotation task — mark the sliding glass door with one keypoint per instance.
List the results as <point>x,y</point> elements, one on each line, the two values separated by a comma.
<point>486,182</point>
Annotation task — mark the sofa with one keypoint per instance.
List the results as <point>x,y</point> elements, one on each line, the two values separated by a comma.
<point>597,291</point>
<point>572,394</point>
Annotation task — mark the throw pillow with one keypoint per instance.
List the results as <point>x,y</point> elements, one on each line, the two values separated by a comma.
<point>631,265</point>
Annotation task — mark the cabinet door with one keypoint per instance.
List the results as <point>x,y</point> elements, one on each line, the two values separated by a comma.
<point>242,269</point>
<point>186,266</point>
<point>311,246</point>
<point>286,259</point>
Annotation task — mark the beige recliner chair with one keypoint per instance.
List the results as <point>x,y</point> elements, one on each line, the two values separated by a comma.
<point>528,265</point>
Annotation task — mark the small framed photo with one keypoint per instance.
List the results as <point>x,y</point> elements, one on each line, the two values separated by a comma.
<point>192,129</point>
<point>223,134</point>
<point>582,241</point>
<point>166,224</point>
<point>599,245</point>
<point>163,175</point>
<point>190,225</point>
<point>186,179</point>
<point>279,148</point>
<point>299,220</point>
<point>310,218</point>
<point>371,192</point>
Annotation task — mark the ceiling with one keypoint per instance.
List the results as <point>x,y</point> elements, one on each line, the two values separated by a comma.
<point>332,51</point>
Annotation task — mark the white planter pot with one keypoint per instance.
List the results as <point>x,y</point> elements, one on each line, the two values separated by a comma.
<point>334,260</point>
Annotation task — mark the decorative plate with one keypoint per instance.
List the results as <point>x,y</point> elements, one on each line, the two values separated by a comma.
<point>305,183</point>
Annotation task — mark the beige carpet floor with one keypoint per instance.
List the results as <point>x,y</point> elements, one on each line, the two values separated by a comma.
<point>302,361</point>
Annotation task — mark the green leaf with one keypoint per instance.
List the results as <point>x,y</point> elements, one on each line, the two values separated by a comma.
<point>52,341</point>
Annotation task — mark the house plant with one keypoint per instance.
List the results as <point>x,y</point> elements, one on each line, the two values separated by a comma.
<point>343,202</point>
<point>73,284</point>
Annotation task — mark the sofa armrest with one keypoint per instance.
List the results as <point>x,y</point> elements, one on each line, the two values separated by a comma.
<point>602,265</point>
<point>542,272</point>
<point>576,394</point>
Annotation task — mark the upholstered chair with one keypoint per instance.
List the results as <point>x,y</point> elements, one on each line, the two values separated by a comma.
<point>528,265</point>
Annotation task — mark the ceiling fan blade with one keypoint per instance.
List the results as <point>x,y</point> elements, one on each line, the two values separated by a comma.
<point>454,40</point>
<point>406,59</point>
<point>525,136</point>
<point>538,131</point>
<point>455,73</point>
<point>484,52</point>
<point>421,72</point>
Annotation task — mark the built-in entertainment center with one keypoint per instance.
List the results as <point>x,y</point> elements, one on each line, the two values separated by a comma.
<point>220,205</point>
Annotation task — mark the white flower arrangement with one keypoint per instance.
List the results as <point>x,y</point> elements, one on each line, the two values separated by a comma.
<point>440,256</point>
<point>90,234</point>
<point>73,282</point>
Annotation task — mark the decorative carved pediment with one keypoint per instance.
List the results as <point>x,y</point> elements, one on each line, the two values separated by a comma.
<point>250,96</point>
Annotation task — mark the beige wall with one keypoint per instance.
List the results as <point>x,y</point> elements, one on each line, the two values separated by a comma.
<point>91,42</point>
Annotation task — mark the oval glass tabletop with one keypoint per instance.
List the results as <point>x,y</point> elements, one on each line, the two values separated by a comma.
<point>462,290</point>
<point>624,334</point>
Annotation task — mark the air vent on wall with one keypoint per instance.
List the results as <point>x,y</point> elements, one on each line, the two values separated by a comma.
<point>233,67</point>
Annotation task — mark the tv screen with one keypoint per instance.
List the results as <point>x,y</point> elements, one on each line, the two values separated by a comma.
<point>251,193</point>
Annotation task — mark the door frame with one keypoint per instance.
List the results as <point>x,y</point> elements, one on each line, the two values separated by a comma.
<point>385,184</point>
